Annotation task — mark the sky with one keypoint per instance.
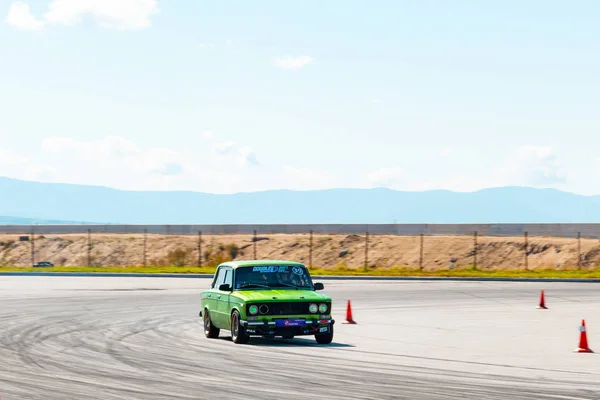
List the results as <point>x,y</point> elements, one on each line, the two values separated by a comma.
<point>237,96</point>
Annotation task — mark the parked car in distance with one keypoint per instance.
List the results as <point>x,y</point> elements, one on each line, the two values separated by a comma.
<point>266,298</point>
<point>43,264</point>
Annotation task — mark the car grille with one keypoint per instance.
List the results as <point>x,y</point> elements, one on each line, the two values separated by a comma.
<point>285,308</point>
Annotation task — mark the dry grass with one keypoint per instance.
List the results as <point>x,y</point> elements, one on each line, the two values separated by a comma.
<point>395,271</point>
<point>385,252</point>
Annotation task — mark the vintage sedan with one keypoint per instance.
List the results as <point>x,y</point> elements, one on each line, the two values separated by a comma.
<point>266,298</point>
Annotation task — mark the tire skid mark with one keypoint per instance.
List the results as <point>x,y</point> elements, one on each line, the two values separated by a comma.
<point>125,347</point>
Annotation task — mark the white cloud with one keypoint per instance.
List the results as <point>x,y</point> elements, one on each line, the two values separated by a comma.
<point>115,14</point>
<point>243,156</point>
<point>117,149</point>
<point>19,16</point>
<point>247,156</point>
<point>112,14</point>
<point>158,161</point>
<point>223,166</point>
<point>290,62</point>
<point>534,166</point>
<point>21,167</point>
<point>108,147</point>
<point>8,158</point>
<point>386,176</point>
<point>224,148</point>
<point>121,163</point>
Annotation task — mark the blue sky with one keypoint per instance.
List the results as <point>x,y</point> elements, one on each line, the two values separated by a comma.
<point>237,96</point>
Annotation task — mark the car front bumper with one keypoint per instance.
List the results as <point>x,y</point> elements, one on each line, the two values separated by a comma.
<point>293,327</point>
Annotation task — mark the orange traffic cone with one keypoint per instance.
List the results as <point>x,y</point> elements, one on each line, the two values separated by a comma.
<point>349,319</point>
<point>583,343</point>
<point>542,302</point>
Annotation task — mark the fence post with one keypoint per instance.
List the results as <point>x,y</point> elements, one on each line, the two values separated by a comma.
<point>145,246</point>
<point>475,249</point>
<point>526,251</point>
<point>578,249</point>
<point>310,250</point>
<point>89,248</point>
<point>255,244</point>
<point>199,249</point>
<point>32,247</point>
<point>421,254</point>
<point>367,249</point>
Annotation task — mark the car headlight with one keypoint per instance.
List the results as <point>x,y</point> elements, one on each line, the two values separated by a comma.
<point>313,308</point>
<point>322,308</point>
<point>253,309</point>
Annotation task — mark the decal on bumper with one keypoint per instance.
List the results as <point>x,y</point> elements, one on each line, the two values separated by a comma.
<point>295,326</point>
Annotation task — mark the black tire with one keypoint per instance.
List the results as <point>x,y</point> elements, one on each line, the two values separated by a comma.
<point>210,331</point>
<point>326,338</point>
<point>238,332</point>
<point>288,336</point>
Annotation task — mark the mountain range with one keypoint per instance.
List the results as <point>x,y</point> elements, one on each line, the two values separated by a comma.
<point>5,220</point>
<point>26,202</point>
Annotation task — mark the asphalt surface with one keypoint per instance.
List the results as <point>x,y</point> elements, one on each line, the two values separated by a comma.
<point>141,338</point>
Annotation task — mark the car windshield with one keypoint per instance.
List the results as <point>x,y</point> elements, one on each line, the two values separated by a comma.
<point>272,276</point>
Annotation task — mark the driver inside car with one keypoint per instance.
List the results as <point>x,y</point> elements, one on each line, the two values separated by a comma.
<point>286,277</point>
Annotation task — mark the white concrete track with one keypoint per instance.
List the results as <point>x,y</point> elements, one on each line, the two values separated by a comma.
<point>141,338</point>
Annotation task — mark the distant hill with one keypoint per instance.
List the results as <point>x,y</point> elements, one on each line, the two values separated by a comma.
<point>32,221</point>
<point>66,202</point>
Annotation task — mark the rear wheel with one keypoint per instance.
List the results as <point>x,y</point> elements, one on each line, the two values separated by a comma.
<point>210,331</point>
<point>326,338</point>
<point>238,333</point>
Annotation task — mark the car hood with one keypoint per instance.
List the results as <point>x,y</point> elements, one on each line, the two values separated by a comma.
<point>280,295</point>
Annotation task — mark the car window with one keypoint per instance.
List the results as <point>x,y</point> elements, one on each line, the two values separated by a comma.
<point>228,278</point>
<point>218,278</point>
<point>223,277</point>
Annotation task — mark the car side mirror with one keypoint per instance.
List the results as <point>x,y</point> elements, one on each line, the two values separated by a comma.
<point>225,287</point>
<point>319,286</point>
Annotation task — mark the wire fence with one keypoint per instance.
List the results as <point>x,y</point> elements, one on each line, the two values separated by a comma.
<point>341,251</point>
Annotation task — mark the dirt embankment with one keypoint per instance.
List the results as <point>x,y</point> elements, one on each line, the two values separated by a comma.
<point>328,251</point>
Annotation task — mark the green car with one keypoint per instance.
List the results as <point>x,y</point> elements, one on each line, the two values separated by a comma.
<point>266,298</point>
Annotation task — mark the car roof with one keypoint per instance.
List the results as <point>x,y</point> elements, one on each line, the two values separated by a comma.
<point>251,263</point>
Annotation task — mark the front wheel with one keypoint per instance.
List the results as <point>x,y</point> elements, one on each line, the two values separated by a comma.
<point>238,333</point>
<point>210,331</point>
<point>326,338</point>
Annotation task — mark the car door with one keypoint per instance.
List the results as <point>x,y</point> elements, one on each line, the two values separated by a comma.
<point>223,298</point>
<point>211,297</point>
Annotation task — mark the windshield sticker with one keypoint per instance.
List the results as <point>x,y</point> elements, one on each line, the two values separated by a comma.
<point>269,269</point>
<point>298,271</point>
